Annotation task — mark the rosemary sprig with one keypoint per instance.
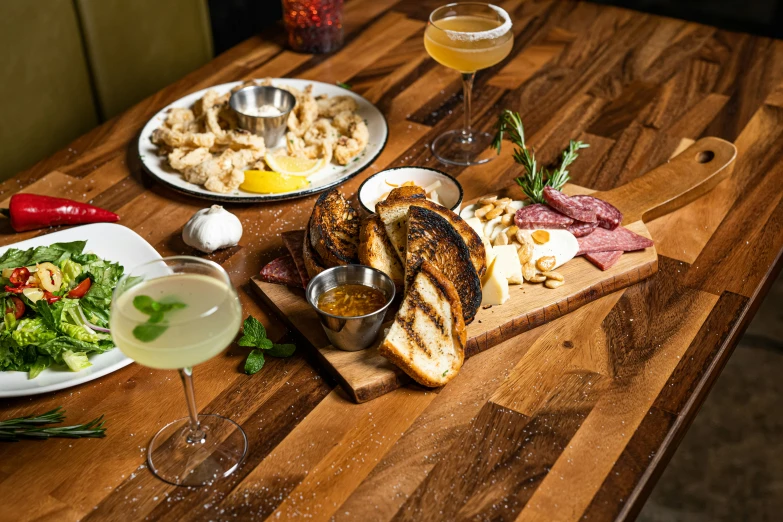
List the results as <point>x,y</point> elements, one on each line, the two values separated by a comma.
<point>535,177</point>
<point>34,427</point>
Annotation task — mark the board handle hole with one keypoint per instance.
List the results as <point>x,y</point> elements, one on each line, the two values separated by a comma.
<point>705,156</point>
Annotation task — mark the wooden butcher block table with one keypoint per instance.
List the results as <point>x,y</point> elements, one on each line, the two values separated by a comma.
<point>573,419</point>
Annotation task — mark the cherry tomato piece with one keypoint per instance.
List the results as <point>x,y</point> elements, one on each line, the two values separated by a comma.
<point>80,289</point>
<point>20,276</point>
<point>15,306</point>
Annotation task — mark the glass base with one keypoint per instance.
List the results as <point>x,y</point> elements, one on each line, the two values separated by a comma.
<point>220,450</point>
<point>456,148</point>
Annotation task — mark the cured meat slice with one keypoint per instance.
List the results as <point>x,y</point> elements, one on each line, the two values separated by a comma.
<point>581,229</point>
<point>282,271</point>
<point>571,207</point>
<point>608,215</point>
<point>294,242</point>
<point>541,216</point>
<point>602,240</point>
<point>604,260</point>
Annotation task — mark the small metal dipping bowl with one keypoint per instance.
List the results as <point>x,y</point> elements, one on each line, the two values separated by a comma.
<point>271,128</point>
<point>351,333</point>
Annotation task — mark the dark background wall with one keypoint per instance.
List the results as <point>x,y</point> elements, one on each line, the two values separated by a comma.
<point>237,20</point>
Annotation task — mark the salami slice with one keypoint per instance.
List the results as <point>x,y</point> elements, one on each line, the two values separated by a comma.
<point>282,271</point>
<point>602,240</point>
<point>294,242</point>
<point>571,207</point>
<point>608,215</point>
<point>581,229</point>
<point>540,216</point>
<point>604,260</point>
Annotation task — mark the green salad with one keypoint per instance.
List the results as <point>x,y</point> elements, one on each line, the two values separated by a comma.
<point>56,301</point>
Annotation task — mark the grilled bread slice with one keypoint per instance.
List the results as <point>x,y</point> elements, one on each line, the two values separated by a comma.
<point>394,214</point>
<point>376,250</point>
<point>312,264</point>
<point>427,339</point>
<point>334,229</point>
<point>431,237</point>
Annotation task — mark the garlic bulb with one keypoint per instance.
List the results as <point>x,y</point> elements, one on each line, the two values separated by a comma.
<point>211,229</point>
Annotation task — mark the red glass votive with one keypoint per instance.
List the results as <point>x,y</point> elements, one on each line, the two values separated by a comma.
<point>314,26</point>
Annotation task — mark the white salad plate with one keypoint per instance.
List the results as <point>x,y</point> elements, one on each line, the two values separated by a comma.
<point>330,176</point>
<point>111,242</point>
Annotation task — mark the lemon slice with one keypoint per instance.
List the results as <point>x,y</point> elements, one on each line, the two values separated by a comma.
<point>266,182</point>
<point>294,166</point>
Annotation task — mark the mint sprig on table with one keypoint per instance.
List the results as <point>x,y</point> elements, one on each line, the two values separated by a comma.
<point>154,327</point>
<point>535,177</point>
<point>254,335</point>
<point>34,427</point>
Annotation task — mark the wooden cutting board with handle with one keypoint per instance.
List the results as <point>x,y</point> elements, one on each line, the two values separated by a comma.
<point>366,375</point>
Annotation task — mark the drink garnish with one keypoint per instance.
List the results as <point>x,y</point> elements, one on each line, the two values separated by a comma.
<point>536,177</point>
<point>154,327</point>
<point>254,335</point>
<point>34,427</point>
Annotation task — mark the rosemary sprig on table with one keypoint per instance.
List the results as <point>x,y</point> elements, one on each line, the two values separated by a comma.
<point>535,177</point>
<point>34,427</point>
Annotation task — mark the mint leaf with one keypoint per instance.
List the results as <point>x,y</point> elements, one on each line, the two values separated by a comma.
<point>254,362</point>
<point>252,331</point>
<point>144,304</point>
<point>344,85</point>
<point>154,327</point>
<point>281,350</point>
<point>147,332</point>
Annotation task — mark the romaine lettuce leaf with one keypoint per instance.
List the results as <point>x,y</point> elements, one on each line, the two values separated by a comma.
<point>76,360</point>
<point>55,253</point>
<point>71,271</point>
<point>32,331</point>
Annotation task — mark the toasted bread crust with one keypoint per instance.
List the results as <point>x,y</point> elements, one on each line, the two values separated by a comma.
<point>376,251</point>
<point>458,334</point>
<point>478,253</point>
<point>311,262</point>
<point>334,229</point>
<point>411,191</point>
<point>432,238</point>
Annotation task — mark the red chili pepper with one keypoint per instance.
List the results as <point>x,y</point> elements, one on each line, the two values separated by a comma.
<point>16,289</point>
<point>50,297</point>
<point>80,289</point>
<point>31,211</point>
<point>19,276</point>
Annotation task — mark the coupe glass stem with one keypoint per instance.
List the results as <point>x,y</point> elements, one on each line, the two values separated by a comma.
<point>195,435</point>
<point>467,92</point>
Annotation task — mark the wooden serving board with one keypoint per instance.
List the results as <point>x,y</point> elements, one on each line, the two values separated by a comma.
<point>366,375</point>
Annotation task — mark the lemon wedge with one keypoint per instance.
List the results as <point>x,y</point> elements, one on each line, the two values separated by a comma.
<point>294,166</point>
<point>266,182</point>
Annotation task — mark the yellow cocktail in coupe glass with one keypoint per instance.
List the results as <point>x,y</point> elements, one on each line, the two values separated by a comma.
<point>174,313</point>
<point>467,37</point>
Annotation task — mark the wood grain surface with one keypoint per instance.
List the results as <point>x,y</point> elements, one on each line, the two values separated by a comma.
<point>571,420</point>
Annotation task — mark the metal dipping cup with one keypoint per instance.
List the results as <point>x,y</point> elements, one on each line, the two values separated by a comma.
<point>271,128</point>
<point>350,333</point>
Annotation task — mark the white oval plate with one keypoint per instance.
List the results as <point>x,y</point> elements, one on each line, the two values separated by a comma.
<point>331,176</point>
<point>109,241</point>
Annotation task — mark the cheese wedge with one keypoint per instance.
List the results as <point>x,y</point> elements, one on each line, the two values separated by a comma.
<point>507,259</point>
<point>495,289</point>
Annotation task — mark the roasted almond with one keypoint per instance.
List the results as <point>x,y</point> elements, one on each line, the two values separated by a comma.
<point>482,212</point>
<point>553,283</point>
<point>546,263</point>
<point>538,278</point>
<point>557,276</point>
<point>487,199</point>
<point>495,212</point>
